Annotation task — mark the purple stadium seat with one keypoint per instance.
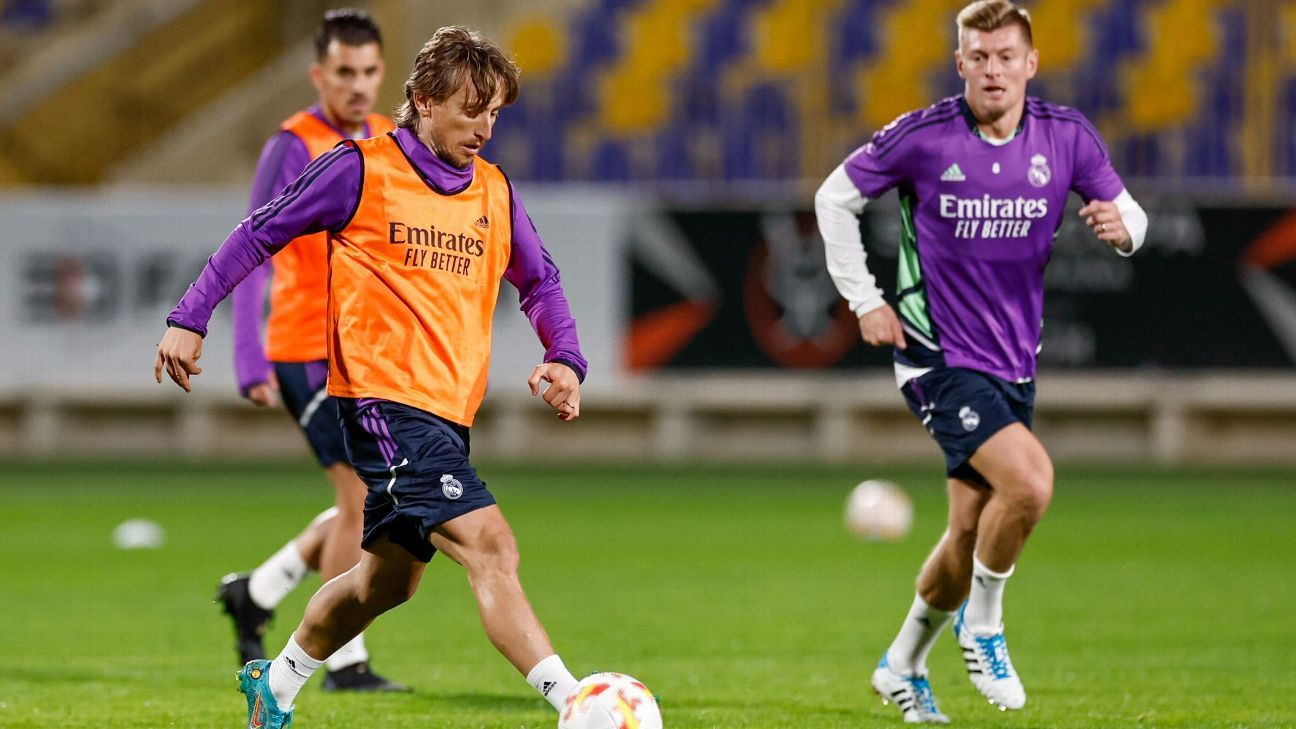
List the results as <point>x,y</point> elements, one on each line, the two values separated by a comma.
<point>27,13</point>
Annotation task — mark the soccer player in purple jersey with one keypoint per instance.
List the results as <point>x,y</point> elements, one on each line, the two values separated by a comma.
<point>983,180</point>
<point>347,73</point>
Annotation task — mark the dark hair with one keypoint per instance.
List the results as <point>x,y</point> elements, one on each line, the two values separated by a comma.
<point>348,26</point>
<point>989,15</point>
<point>454,56</point>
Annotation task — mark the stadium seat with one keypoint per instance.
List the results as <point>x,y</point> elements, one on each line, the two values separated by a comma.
<point>27,13</point>
<point>662,74</point>
<point>610,162</point>
<point>765,143</point>
<point>674,154</point>
<point>722,37</point>
<point>1286,112</point>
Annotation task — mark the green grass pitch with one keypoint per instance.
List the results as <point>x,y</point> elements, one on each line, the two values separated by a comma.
<point>1146,598</point>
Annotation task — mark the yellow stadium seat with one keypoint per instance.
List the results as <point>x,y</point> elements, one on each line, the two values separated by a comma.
<point>1055,27</point>
<point>911,50</point>
<point>634,95</point>
<point>1161,85</point>
<point>789,35</point>
<point>540,46</point>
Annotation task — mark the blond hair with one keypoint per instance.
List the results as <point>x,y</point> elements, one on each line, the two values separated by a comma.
<point>989,15</point>
<point>453,57</point>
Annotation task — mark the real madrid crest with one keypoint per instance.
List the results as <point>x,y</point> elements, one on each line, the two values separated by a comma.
<point>451,486</point>
<point>1039,173</point>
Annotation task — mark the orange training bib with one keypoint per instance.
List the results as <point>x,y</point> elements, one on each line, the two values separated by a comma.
<point>295,330</point>
<point>413,282</point>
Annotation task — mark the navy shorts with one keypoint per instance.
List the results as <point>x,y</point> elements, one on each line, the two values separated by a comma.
<point>304,389</point>
<point>962,408</point>
<point>416,466</point>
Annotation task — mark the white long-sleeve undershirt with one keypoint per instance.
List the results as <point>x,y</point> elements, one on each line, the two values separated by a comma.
<point>838,204</point>
<point>1135,220</point>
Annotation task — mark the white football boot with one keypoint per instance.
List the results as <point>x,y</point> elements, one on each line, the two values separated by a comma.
<point>911,694</point>
<point>988,665</point>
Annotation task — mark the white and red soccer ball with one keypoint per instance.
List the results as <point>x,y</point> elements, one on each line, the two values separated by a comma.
<point>610,701</point>
<point>878,510</point>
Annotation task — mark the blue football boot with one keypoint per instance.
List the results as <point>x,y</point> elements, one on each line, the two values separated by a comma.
<point>263,710</point>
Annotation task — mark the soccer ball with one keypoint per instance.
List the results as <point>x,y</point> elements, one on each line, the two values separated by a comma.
<point>879,510</point>
<point>610,701</point>
<point>139,534</point>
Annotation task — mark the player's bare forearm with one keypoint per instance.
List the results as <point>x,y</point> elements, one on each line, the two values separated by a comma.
<point>563,391</point>
<point>178,354</point>
<point>1104,219</point>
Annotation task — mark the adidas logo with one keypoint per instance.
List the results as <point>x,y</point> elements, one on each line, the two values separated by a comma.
<point>953,174</point>
<point>546,686</point>
<point>482,222</point>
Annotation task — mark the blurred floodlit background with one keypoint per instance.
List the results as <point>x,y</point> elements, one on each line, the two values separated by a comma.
<point>668,151</point>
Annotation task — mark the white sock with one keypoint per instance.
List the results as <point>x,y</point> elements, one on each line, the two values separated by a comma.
<point>984,611</point>
<point>552,679</point>
<point>289,672</point>
<point>922,626</point>
<point>348,655</point>
<point>276,577</point>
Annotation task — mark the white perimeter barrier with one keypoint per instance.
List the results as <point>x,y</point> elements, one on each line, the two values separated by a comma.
<point>1116,417</point>
<point>86,282</point>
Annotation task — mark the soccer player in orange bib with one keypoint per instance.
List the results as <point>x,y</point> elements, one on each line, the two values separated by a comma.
<point>293,362</point>
<point>421,232</point>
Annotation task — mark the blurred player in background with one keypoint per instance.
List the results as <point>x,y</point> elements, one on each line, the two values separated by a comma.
<point>983,180</point>
<point>293,364</point>
<point>422,231</point>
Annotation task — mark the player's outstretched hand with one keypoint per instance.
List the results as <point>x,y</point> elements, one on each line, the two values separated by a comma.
<point>1105,220</point>
<point>265,394</point>
<point>178,354</point>
<point>881,327</point>
<point>563,392</point>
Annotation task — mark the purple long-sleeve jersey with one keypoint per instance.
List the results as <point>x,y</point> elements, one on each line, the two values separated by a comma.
<point>283,158</point>
<point>978,226</point>
<point>323,198</point>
